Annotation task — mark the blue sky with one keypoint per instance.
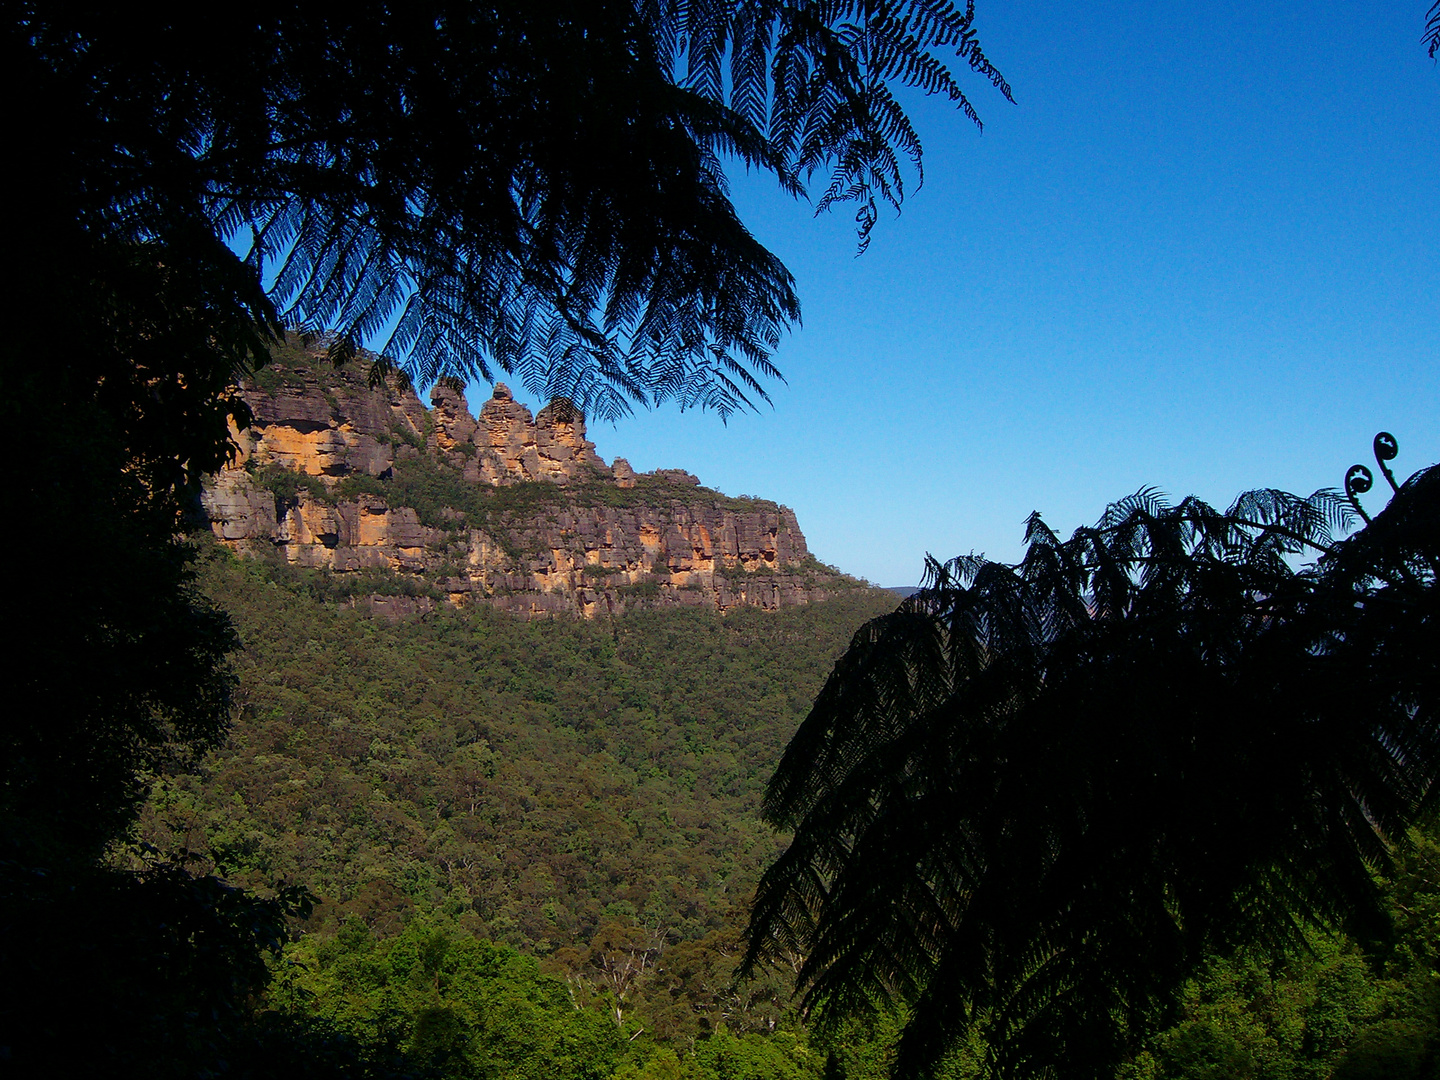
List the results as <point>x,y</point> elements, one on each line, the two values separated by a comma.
<point>1200,253</point>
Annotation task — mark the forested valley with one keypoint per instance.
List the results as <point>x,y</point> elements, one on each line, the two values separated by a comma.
<point>1156,803</point>
<point>532,844</point>
<point>525,780</point>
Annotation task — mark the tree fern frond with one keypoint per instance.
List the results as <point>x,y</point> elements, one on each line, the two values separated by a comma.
<point>1035,795</point>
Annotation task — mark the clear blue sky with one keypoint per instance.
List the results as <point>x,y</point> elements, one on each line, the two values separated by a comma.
<point>1200,253</point>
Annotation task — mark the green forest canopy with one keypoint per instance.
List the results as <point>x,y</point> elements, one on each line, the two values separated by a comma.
<point>517,777</point>
<point>460,787</point>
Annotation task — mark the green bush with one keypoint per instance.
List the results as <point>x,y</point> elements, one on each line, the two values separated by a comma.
<point>286,484</point>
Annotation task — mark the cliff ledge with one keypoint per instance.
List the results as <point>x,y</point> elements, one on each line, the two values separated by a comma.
<point>433,505</point>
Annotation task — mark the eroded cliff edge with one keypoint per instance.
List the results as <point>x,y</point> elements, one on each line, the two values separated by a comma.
<point>507,509</point>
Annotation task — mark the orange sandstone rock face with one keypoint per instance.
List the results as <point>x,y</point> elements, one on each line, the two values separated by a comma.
<point>514,511</point>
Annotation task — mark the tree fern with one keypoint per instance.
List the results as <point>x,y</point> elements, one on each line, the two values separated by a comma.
<point>1034,796</point>
<point>535,190</point>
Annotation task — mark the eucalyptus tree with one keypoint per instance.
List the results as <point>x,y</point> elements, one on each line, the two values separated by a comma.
<point>1030,800</point>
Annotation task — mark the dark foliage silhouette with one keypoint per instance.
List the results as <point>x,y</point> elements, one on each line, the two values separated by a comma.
<point>108,967</point>
<point>1035,796</point>
<point>536,189</point>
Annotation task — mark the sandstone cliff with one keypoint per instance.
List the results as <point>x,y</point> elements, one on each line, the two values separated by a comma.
<point>506,508</point>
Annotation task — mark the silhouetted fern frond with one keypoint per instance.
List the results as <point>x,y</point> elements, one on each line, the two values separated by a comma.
<point>1036,795</point>
<point>534,189</point>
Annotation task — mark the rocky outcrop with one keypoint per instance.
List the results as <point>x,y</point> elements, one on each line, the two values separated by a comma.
<point>507,509</point>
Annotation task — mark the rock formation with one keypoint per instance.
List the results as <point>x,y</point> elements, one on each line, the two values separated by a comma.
<point>505,509</point>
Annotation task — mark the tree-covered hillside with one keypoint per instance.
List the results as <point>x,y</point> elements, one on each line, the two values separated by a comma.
<point>534,842</point>
<point>516,779</point>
